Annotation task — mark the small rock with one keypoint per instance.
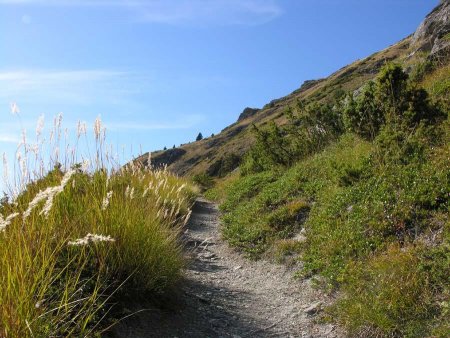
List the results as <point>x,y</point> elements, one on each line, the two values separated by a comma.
<point>329,330</point>
<point>313,308</point>
<point>300,238</point>
<point>237,267</point>
<point>208,255</point>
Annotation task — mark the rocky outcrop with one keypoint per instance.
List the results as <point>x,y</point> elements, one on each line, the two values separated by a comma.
<point>308,84</point>
<point>166,157</point>
<point>248,112</point>
<point>433,33</point>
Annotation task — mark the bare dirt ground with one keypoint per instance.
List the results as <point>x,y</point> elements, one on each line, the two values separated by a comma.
<point>227,295</point>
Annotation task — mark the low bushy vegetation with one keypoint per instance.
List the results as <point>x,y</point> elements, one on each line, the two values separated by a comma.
<point>366,183</point>
<point>224,165</point>
<point>310,127</point>
<point>75,239</point>
<point>401,291</point>
<point>258,208</point>
<point>203,180</point>
<point>437,83</point>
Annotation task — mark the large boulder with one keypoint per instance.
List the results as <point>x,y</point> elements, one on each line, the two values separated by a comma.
<point>433,33</point>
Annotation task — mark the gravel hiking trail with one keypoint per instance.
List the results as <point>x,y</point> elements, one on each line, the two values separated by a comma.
<point>223,294</point>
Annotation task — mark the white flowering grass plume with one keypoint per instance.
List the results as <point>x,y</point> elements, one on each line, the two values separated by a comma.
<point>91,238</point>
<point>76,230</point>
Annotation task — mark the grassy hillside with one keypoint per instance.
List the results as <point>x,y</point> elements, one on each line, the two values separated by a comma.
<point>236,139</point>
<point>348,179</point>
<point>359,193</point>
<point>225,149</point>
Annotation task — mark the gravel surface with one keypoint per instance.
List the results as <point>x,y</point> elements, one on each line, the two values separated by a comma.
<point>226,295</point>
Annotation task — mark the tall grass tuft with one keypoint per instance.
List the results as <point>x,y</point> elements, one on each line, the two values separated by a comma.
<point>72,236</point>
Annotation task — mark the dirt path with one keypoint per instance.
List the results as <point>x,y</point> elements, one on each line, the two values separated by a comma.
<point>226,295</point>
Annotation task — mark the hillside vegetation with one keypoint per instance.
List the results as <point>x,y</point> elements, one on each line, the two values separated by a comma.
<point>221,153</point>
<point>348,180</point>
<point>78,238</point>
<point>358,191</point>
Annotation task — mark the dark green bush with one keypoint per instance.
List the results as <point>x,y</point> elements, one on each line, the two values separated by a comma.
<point>224,165</point>
<point>309,129</point>
<point>203,180</point>
<point>391,100</point>
<point>362,115</point>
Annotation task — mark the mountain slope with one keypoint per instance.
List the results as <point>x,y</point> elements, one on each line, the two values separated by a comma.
<point>431,40</point>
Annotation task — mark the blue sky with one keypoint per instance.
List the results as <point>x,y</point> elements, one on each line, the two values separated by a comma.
<point>160,71</point>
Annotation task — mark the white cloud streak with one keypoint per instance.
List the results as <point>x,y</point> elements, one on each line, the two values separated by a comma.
<point>66,88</point>
<point>175,12</point>
<point>6,138</point>
<point>80,86</point>
<point>30,78</point>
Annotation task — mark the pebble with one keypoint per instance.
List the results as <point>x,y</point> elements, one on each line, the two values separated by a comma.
<point>313,308</point>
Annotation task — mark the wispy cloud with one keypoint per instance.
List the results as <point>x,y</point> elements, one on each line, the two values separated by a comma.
<point>91,92</point>
<point>174,12</point>
<point>219,12</point>
<point>38,76</point>
<point>80,86</point>
<point>7,138</point>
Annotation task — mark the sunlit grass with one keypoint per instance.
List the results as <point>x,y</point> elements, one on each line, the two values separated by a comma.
<point>78,234</point>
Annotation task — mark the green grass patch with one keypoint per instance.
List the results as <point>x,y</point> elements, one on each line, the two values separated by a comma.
<point>272,205</point>
<point>377,231</point>
<point>400,292</point>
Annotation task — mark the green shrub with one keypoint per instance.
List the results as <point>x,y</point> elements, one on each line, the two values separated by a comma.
<point>395,205</point>
<point>288,215</point>
<point>224,165</point>
<point>309,129</point>
<point>244,189</point>
<point>262,207</point>
<point>218,192</point>
<point>421,70</point>
<point>363,115</point>
<point>203,180</point>
<point>437,83</point>
<point>390,100</point>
